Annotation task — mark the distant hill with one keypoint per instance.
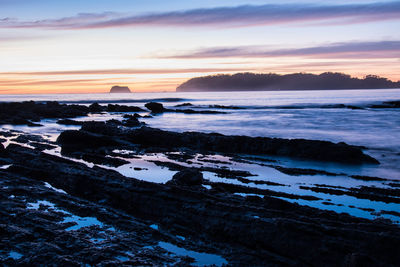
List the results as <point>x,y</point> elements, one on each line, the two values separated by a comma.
<point>272,81</point>
<point>120,89</point>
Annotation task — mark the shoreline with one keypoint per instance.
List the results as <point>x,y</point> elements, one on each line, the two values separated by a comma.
<point>216,204</point>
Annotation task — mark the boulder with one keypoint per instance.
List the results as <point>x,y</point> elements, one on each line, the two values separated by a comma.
<point>188,177</point>
<point>155,107</point>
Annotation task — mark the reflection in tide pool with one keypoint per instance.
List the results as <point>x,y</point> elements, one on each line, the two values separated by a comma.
<point>201,259</point>
<point>79,221</point>
<point>146,171</point>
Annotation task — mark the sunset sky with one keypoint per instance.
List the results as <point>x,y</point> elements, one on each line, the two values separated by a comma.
<point>73,46</point>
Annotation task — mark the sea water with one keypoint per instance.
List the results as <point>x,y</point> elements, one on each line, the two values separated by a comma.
<point>286,114</point>
<point>315,115</point>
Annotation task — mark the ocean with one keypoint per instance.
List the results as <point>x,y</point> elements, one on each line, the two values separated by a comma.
<point>334,115</point>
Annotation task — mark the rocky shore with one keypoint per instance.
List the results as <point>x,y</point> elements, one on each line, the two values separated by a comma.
<point>74,208</point>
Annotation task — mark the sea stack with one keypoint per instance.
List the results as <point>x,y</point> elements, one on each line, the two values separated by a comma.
<point>120,89</point>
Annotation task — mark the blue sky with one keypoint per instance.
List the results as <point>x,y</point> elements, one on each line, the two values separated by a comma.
<point>76,46</point>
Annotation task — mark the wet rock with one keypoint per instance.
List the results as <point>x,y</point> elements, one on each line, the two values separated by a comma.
<point>184,105</point>
<point>30,112</point>
<point>26,138</point>
<point>189,177</point>
<point>214,220</point>
<point>128,116</point>
<point>387,104</point>
<point>32,124</point>
<point>224,107</point>
<point>191,111</point>
<point>6,134</point>
<point>42,146</point>
<point>19,113</point>
<point>72,140</point>
<point>364,192</point>
<point>95,107</point>
<point>120,108</point>
<point>155,107</point>
<point>300,148</point>
<point>300,171</point>
<point>156,139</point>
<point>132,122</point>
<point>368,178</point>
<point>109,128</point>
<point>101,159</point>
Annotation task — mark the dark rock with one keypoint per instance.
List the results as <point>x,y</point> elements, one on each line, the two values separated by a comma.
<point>169,141</point>
<point>301,148</point>
<point>155,107</point>
<point>191,111</point>
<point>109,128</point>
<point>72,140</point>
<point>300,171</point>
<point>6,134</point>
<point>368,178</point>
<point>128,116</point>
<point>189,177</point>
<point>26,113</point>
<point>26,138</point>
<point>101,159</point>
<point>42,146</point>
<point>283,234</point>
<point>95,107</point>
<point>32,124</point>
<point>387,104</point>
<point>184,105</point>
<point>372,193</point>
<point>132,122</point>
<point>224,107</point>
<point>120,108</point>
<point>120,89</point>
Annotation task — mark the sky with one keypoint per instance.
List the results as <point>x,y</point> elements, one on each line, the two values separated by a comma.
<point>74,46</point>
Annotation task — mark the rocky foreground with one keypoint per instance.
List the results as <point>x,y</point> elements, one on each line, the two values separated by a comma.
<point>45,199</point>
